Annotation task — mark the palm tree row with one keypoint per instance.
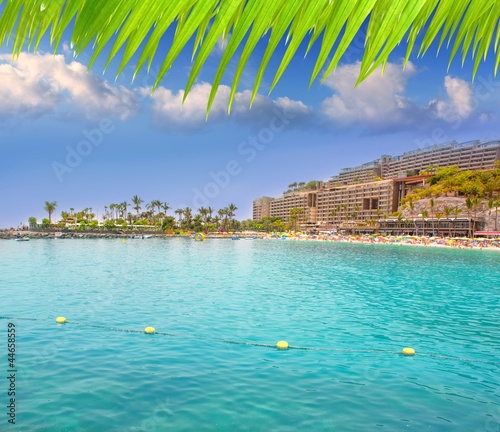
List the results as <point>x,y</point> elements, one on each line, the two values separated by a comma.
<point>223,219</point>
<point>155,213</point>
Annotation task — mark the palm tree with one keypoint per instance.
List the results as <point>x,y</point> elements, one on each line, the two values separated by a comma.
<point>425,213</point>
<point>475,202</point>
<point>210,210</point>
<point>151,214</point>
<point>497,204</point>
<point>438,217</point>
<point>165,206</point>
<point>112,207</point>
<point>137,203</point>
<point>124,205</point>
<point>491,204</point>
<point>179,212</point>
<point>216,221</point>
<point>431,203</point>
<point>203,212</point>
<point>333,214</point>
<point>157,203</point>
<point>294,214</point>
<point>447,212</point>
<point>356,208</point>
<point>347,221</point>
<point>469,205</point>
<point>222,216</point>
<point>293,218</point>
<point>188,215</point>
<point>50,207</point>
<point>400,219</point>
<point>231,209</point>
<point>456,212</point>
<point>411,205</point>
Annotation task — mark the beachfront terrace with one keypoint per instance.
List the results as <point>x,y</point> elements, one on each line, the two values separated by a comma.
<point>443,227</point>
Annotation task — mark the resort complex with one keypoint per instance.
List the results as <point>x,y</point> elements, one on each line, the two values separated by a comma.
<point>388,195</point>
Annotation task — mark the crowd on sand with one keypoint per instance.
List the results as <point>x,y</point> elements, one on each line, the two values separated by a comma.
<point>450,242</point>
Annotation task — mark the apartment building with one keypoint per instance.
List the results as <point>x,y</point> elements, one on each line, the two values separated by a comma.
<point>306,200</point>
<point>262,208</point>
<point>355,191</point>
<point>365,200</point>
<point>471,155</point>
<point>366,172</point>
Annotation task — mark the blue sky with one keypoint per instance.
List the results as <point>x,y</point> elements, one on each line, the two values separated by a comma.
<point>50,108</point>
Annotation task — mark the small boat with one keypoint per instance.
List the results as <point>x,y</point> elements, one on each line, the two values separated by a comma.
<point>141,236</point>
<point>23,239</point>
<point>235,238</point>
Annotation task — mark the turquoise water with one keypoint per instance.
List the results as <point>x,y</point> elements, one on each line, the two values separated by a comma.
<point>74,378</point>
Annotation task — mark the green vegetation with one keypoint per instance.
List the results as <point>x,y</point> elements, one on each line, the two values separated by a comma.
<point>267,224</point>
<point>154,217</point>
<point>451,180</point>
<point>474,186</point>
<point>301,186</point>
<point>135,28</point>
<point>294,215</point>
<point>50,208</point>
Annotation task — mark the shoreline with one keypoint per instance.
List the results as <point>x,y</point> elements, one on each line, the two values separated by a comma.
<point>442,243</point>
<point>36,235</point>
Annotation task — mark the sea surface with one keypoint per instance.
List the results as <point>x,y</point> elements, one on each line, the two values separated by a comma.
<point>322,295</point>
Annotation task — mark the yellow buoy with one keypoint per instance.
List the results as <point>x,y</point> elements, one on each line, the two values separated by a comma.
<point>178,239</point>
<point>149,330</point>
<point>123,240</point>
<point>61,320</point>
<point>408,351</point>
<point>282,345</point>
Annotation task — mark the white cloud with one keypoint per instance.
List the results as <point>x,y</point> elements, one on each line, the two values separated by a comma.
<point>460,97</point>
<point>381,101</point>
<point>378,100</point>
<point>167,112</point>
<point>36,84</point>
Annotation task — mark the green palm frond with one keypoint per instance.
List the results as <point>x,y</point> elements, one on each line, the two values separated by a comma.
<point>469,24</point>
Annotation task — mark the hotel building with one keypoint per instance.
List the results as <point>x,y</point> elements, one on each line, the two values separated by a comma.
<point>366,200</point>
<point>262,208</point>
<point>471,155</point>
<point>366,172</point>
<point>356,192</point>
<point>306,200</point>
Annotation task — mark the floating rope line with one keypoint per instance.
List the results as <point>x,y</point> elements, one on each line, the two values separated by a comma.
<point>281,344</point>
